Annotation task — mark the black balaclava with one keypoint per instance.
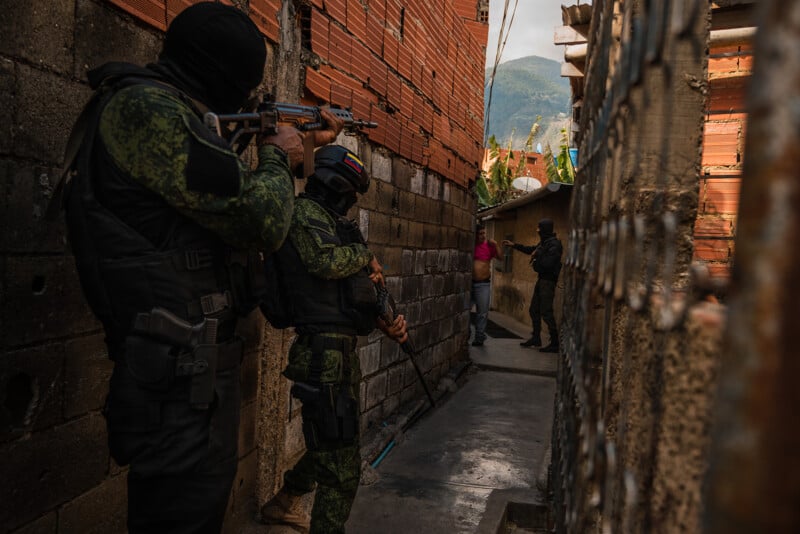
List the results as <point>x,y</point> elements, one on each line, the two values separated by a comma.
<point>215,54</point>
<point>545,228</point>
<point>327,197</point>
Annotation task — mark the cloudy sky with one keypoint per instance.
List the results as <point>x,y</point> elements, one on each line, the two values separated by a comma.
<point>531,32</point>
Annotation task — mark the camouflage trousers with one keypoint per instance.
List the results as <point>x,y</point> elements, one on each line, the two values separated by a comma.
<point>333,467</point>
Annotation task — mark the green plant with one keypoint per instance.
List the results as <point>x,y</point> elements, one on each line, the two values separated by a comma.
<point>494,187</point>
<point>560,168</point>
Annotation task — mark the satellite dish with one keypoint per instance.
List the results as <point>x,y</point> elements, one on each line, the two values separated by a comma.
<point>526,183</point>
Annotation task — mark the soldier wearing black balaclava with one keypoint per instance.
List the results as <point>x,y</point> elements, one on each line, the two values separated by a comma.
<point>168,227</point>
<point>545,259</point>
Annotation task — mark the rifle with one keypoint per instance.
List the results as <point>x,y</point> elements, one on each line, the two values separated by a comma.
<point>386,307</point>
<point>238,128</point>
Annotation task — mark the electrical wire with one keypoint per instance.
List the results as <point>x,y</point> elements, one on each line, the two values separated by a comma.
<point>501,45</point>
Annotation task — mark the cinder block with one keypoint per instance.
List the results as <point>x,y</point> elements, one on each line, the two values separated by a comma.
<point>370,358</point>
<point>39,32</point>
<point>121,39</point>
<point>381,167</point>
<point>98,511</point>
<point>376,389</point>
<point>32,389</point>
<point>390,351</point>
<point>392,258</point>
<point>47,106</point>
<point>45,472</point>
<point>411,289</point>
<point>8,102</point>
<point>419,261</point>
<point>47,524</point>
<point>379,231</point>
<point>417,184</point>
<point>408,257</point>
<point>87,370</point>
<point>395,384</point>
<point>43,300</point>
<point>390,405</point>
<point>29,188</point>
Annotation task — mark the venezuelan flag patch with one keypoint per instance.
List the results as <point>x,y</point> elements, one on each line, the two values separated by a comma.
<point>353,162</point>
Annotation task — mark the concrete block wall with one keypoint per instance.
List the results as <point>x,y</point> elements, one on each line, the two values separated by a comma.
<point>418,216</point>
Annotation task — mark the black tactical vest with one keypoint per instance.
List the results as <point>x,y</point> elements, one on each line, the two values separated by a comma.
<point>347,306</point>
<point>134,252</point>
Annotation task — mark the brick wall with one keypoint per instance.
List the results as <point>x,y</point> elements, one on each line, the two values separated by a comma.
<point>393,62</point>
<point>729,71</point>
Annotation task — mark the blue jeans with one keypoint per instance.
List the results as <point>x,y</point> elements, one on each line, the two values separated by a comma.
<point>481,295</point>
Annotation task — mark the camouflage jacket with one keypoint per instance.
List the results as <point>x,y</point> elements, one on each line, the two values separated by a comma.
<point>149,133</point>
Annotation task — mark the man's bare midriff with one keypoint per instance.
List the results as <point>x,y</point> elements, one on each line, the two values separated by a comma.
<point>481,271</point>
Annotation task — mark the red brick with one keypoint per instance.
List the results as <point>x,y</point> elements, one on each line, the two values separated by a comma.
<point>407,97</point>
<point>723,65</point>
<point>727,94</point>
<point>377,8</point>
<point>320,34</point>
<point>174,7</point>
<point>721,196</point>
<point>404,62</point>
<point>362,104</point>
<point>391,47</point>
<point>265,14</point>
<point>356,19</point>
<point>340,47</point>
<point>378,135</point>
<point>150,11</point>
<point>746,64</point>
<point>393,90</point>
<point>337,9</point>
<point>377,75</point>
<point>341,96</point>
<point>713,226</point>
<point>360,61</point>
<point>374,34</point>
<point>318,85</point>
<point>392,133</point>
<point>392,18</point>
<point>712,249</point>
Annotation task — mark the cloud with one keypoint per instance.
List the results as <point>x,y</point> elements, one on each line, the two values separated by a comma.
<point>531,32</point>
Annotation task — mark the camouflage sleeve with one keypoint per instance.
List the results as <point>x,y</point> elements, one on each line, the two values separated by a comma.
<point>159,141</point>
<point>313,233</point>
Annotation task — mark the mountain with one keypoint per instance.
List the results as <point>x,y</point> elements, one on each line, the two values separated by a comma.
<point>523,89</point>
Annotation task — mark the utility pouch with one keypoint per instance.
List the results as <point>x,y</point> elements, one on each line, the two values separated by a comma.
<point>327,417</point>
<point>346,410</point>
<point>204,372</point>
<point>151,363</point>
<point>360,292</point>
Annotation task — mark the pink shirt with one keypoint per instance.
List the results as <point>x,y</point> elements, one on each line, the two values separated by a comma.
<point>484,251</point>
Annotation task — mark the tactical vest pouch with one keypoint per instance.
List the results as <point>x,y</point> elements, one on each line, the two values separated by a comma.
<point>275,303</point>
<point>150,362</point>
<point>361,301</point>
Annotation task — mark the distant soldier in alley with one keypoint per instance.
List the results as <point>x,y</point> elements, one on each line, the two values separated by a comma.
<point>167,226</point>
<point>545,259</point>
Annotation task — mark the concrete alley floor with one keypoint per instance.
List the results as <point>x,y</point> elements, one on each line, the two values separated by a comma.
<point>491,435</point>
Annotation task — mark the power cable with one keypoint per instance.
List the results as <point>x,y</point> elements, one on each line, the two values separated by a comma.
<point>501,45</point>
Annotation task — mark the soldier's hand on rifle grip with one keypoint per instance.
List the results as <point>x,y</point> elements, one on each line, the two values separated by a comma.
<point>376,272</point>
<point>333,125</point>
<point>290,140</point>
<point>396,330</point>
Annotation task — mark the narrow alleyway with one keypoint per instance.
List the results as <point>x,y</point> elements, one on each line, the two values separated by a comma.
<point>491,434</point>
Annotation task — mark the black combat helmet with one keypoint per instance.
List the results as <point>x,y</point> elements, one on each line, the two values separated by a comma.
<point>215,53</point>
<point>340,170</point>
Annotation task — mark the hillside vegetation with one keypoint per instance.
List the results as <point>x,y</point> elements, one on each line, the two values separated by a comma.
<point>524,89</point>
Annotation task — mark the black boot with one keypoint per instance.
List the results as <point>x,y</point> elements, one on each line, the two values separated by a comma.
<point>553,346</point>
<point>534,341</point>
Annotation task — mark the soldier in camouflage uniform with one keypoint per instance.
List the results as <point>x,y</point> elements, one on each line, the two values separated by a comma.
<point>329,276</point>
<point>167,226</point>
